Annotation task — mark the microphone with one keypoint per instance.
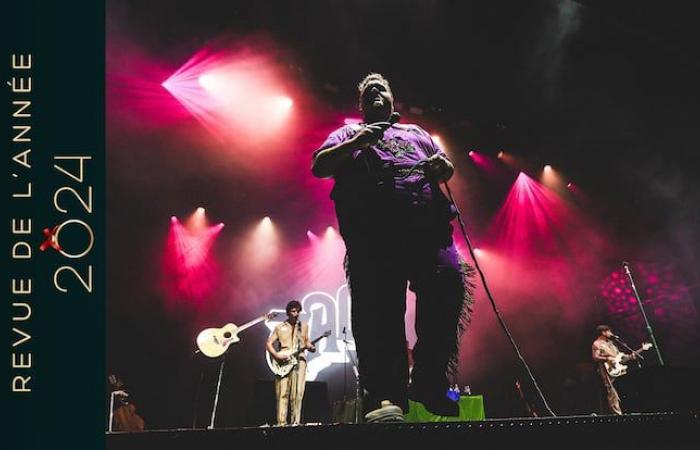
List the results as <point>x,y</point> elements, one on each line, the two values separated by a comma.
<point>395,116</point>
<point>626,266</point>
<point>615,336</point>
<point>343,330</point>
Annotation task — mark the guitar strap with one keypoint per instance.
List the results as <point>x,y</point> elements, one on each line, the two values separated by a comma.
<point>299,339</point>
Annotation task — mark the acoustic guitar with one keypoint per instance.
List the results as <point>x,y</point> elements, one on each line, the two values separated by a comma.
<point>213,342</point>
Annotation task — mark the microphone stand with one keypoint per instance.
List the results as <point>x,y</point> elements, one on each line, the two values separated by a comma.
<point>345,368</point>
<point>626,266</point>
<point>501,321</point>
<point>631,350</point>
<point>358,408</point>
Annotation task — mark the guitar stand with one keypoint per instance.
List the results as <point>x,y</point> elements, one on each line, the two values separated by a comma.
<point>216,396</point>
<point>112,395</point>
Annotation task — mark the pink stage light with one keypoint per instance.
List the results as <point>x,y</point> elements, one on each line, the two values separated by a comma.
<point>509,159</point>
<point>235,95</point>
<point>530,218</point>
<point>552,179</point>
<point>262,246</point>
<point>134,91</point>
<point>197,221</point>
<point>190,270</point>
<point>484,162</point>
<point>284,103</point>
<point>322,262</point>
<point>312,237</point>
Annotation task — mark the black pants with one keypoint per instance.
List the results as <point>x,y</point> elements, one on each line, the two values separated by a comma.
<point>378,276</point>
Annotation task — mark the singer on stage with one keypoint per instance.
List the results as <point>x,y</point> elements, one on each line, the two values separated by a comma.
<point>604,350</point>
<point>291,335</point>
<point>395,221</point>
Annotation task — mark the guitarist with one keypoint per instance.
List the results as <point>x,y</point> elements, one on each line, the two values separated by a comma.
<point>604,350</point>
<point>290,335</point>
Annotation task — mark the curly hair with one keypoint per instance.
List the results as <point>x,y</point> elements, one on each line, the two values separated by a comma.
<point>293,304</point>
<point>600,329</point>
<point>369,78</point>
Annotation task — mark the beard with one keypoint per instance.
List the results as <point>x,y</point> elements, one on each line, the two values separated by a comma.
<point>377,112</point>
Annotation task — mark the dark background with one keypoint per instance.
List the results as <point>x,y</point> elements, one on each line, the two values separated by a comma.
<point>606,92</point>
<point>67,329</point>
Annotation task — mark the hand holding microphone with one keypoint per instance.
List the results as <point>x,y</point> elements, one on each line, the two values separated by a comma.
<point>370,134</point>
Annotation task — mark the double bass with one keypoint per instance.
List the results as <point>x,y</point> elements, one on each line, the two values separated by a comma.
<point>123,417</point>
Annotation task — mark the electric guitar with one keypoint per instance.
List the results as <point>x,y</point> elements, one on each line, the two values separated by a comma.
<point>282,368</point>
<point>617,368</point>
<point>214,342</point>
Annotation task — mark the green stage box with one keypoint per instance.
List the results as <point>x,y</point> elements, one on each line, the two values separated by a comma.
<point>470,408</point>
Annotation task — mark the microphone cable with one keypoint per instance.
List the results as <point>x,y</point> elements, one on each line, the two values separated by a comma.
<point>502,322</point>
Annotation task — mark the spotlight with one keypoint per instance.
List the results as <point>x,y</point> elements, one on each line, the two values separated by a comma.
<point>312,236</point>
<point>266,220</point>
<point>284,103</point>
<point>207,81</point>
<point>173,219</point>
<point>471,152</point>
<point>547,168</point>
<point>500,154</point>
<point>200,210</point>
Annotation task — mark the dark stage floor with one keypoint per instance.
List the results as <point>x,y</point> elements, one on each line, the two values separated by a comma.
<point>633,431</point>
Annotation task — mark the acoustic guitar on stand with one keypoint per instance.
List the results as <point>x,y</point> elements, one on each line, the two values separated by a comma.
<point>213,342</point>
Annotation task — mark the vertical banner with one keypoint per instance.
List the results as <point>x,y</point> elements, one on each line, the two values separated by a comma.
<point>53,226</point>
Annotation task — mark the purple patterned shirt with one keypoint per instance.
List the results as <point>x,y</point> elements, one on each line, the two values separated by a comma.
<point>383,186</point>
